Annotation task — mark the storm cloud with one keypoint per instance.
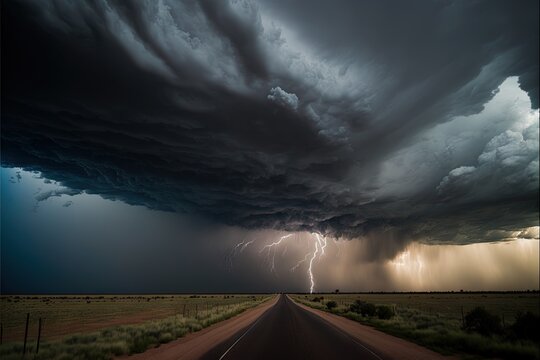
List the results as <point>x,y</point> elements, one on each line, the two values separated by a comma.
<point>347,118</point>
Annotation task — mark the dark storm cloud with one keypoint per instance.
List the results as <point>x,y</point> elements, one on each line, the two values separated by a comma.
<point>291,116</point>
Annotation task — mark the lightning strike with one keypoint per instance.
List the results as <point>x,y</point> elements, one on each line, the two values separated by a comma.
<point>310,272</point>
<point>319,242</point>
<point>237,249</point>
<point>300,262</point>
<point>273,246</point>
<point>320,245</point>
<point>246,245</point>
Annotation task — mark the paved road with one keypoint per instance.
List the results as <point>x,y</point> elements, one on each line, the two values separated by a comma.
<point>287,331</point>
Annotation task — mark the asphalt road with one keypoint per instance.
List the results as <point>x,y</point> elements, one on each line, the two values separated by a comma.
<point>286,331</point>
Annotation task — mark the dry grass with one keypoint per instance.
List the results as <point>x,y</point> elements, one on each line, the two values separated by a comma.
<point>435,320</point>
<point>109,341</point>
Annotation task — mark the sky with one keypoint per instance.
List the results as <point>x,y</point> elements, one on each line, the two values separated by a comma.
<point>164,146</point>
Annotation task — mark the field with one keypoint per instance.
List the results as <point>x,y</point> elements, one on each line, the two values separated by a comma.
<point>89,327</point>
<point>436,320</point>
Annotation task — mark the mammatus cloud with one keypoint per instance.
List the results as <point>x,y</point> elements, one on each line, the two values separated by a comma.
<point>254,114</point>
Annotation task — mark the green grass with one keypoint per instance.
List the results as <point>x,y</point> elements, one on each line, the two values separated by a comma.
<point>128,339</point>
<point>434,320</point>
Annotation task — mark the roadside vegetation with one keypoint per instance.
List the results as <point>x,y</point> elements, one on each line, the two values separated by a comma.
<point>192,313</point>
<point>473,331</point>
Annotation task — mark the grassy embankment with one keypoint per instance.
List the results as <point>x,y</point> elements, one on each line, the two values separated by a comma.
<point>174,316</point>
<point>437,320</point>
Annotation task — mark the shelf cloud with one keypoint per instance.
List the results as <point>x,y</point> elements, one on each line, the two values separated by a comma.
<point>297,116</point>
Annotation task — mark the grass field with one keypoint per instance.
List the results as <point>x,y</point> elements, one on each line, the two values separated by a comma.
<point>436,320</point>
<point>112,325</point>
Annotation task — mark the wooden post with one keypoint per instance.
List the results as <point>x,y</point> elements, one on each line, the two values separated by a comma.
<point>1,332</point>
<point>462,318</point>
<point>38,335</point>
<point>196,311</point>
<point>26,333</point>
<point>184,311</point>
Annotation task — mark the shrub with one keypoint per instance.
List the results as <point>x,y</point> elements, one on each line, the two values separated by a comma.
<point>317,299</point>
<point>482,322</point>
<point>385,312</point>
<point>331,305</point>
<point>355,306</point>
<point>363,308</point>
<point>527,326</point>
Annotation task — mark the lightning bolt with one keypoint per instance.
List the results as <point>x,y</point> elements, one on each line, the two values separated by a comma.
<point>319,242</point>
<point>300,262</point>
<point>310,272</point>
<point>237,246</point>
<point>242,246</point>
<point>320,245</point>
<point>237,249</point>
<point>246,245</point>
<point>273,246</point>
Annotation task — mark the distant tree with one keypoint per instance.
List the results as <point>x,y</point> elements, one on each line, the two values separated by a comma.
<point>337,291</point>
<point>331,305</point>
<point>482,321</point>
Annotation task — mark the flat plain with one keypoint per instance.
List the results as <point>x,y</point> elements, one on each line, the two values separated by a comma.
<point>503,304</point>
<point>105,326</point>
<point>100,326</point>
<point>438,320</point>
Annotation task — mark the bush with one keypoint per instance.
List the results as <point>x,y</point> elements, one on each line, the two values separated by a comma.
<point>527,326</point>
<point>317,299</point>
<point>482,322</point>
<point>331,305</point>
<point>355,306</point>
<point>385,312</point>
<point>363,308</point>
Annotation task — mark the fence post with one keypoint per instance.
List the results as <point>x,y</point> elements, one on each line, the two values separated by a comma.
<point>462,318</point>
<point>1,332</point>
<point>196,311</point>
<point>38,335</point>
<point>184,311</point>
<point>26,333</point>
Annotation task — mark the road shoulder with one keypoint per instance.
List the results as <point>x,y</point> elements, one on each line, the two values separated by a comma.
<point>195,345</point>
<point>387,346</point>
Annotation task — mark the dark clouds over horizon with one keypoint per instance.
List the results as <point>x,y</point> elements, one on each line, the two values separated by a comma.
<point>348,118</point>
<point>103,246</point>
